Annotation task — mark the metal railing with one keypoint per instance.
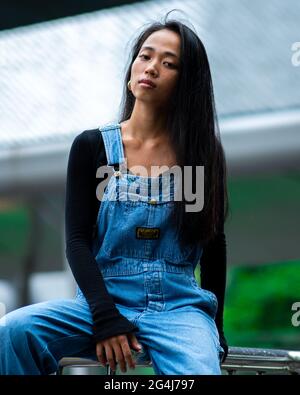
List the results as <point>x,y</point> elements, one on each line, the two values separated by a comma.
<point>239,360</point>
<point>261,361</point>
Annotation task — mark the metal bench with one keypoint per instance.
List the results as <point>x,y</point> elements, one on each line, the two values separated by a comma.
<point>254,360</point>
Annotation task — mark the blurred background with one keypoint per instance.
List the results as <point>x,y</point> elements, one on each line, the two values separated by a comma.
<point>62,67</point>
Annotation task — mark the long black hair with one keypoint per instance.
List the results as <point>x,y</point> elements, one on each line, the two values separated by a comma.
<point>194,132</point>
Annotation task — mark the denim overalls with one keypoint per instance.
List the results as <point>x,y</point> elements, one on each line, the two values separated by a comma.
<point>147,271</point>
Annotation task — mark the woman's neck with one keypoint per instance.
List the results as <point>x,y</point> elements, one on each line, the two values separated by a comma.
<point>146,123</point>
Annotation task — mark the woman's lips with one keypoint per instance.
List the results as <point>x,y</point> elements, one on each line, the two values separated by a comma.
<point>146,81</point>
<point>146,85</point>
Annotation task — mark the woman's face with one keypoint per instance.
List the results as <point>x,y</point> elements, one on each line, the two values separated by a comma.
<point>158,61</point>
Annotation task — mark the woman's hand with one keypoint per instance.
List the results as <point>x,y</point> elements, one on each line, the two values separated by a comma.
<point>116,349</point>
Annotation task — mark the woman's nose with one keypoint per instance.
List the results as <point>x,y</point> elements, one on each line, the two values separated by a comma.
<point>151,69</point>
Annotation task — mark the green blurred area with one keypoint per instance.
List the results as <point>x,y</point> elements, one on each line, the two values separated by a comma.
<point>14,230</point>
<point>259,303</point>
<point>254,193</point>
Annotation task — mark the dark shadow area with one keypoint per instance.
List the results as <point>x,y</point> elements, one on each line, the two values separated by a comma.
<point>15,13</point>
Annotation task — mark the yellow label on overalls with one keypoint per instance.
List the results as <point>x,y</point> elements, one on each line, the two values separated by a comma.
<point>147,233</point>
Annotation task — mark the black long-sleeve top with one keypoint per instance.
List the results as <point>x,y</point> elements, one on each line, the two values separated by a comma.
<point>87,153</point>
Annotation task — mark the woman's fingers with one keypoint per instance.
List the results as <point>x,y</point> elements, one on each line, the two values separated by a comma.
<point>100,352</point>
<point>127,353</point>
<point>116,349</point>
<point>120,359</point>
<point>133,342</point>
<point>110,356</point>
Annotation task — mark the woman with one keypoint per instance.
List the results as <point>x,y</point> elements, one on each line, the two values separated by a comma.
<point>134,259</point>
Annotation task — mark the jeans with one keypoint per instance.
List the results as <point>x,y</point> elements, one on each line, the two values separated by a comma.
<point>179,341</point>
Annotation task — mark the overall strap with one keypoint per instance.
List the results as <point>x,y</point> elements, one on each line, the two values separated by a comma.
<point>112,139</point>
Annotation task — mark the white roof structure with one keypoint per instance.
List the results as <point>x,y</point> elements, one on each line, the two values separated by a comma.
<point>61,77</point>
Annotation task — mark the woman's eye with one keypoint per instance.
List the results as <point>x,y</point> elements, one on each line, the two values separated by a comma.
<point>168,63</point>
